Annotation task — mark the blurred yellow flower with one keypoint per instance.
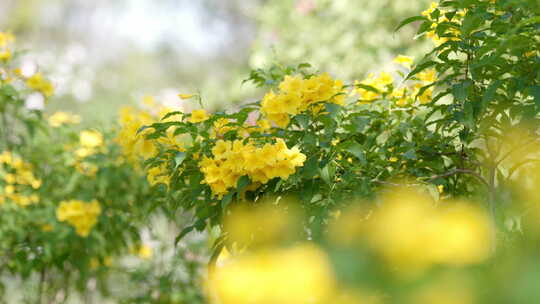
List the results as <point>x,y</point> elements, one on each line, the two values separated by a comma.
<point>145,252</point>
<point>91,139</point>
<point>198,116</point>
<point>301,274</point>
<point>39,83</point>
<point>185,96</point>
<point>59,119</point>
<point>405,61</point>
<point>79,214</point>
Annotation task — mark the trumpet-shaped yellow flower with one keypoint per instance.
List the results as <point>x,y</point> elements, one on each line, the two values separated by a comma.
<point>405,61</point>
<point>198,116</point>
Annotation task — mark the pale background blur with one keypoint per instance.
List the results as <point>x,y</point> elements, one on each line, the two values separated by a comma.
<point>102,54</point>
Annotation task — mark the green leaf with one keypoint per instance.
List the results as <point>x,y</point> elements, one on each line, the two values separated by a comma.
<point>490,92</point>
<point>310,167</point>
<point>171,114</point>
<point>357,150</point>
<point>420,68</point>
<point>241,184</point>
<point>333,109</point>
<point>534,91</point>
<point>410,154</point>
<point>227,200</point>
<point>410,20</point>
<point>179,159</point>
<point>461,90</point>
<point>183,233</point>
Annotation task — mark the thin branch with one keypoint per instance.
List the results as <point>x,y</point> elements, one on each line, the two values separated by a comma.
<point>461,171</point>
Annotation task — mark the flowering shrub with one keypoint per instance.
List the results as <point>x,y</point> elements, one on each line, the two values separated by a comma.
<point>69,200</point>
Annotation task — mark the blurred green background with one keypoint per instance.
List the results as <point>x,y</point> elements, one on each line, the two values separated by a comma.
<point>102,54</point>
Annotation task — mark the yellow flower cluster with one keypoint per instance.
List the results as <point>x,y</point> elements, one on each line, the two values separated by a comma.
<point>60,118</point>
<point>39,83</point>
<point>5,40</point>
<point>296,95</point>
<point>402,95</point>
<point>19,180</point>
<point>300,274</point>
<point>158,175</point>
<point>232,160</point>
<point>442,18</point>
<point>79,214</point>
<point>90,143</point>
<point>135,146</point>
<point>383,84</point>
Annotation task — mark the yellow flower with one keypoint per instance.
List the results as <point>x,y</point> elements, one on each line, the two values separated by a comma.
<point>6,38</point>
<point>185,96</point>
<point>198,116</point>
<point>91,139</point>
<point>301,274</point>
<point>5,55</point>
<point>79,214</point>
<point>428,76</point>
<point>264,124</point>
<point>431,9</point>
<point>405,61</point>
<point>145,252</point>
<point>62,118</point>
<point>158,175</point>
<point>38,83</point>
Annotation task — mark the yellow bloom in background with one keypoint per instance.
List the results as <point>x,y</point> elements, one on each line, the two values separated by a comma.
<point>5,55</point>
<point>380,84</point>
<point>405,61</point>
<point>59,119</point>
<point>39,83</point>
<point>6,38</point>
<point>433,6</point>
<point>185,96</point>
<point>300,274</point>
<point>20,183</point>
<point>198,116</point>
<point>145,252</point>
<point>428,76</point>
<point>91,139</point>
<point>79,214</point>
<point>158,175</point>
